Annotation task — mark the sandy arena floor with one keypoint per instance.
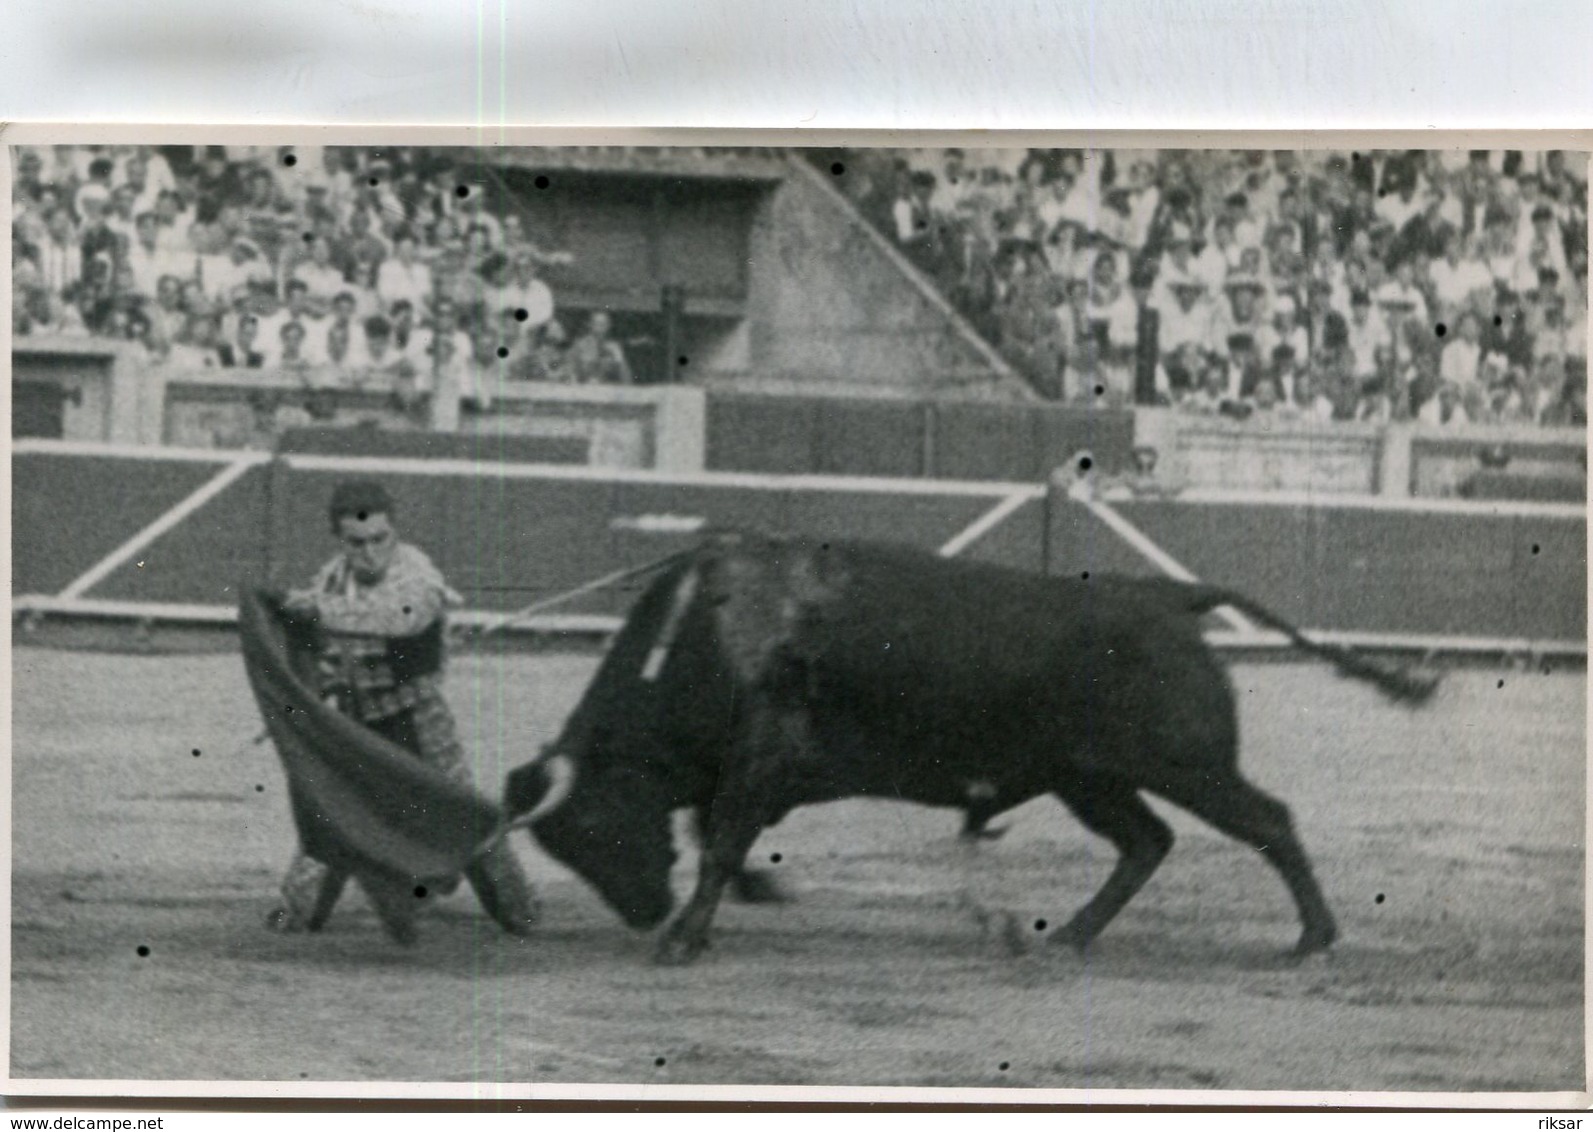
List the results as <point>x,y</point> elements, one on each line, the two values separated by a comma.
<point>1450,843</point>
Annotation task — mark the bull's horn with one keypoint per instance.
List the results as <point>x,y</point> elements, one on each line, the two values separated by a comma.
<point>562,771</point>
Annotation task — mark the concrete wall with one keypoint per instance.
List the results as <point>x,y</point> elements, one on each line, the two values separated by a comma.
<point>826,303</point>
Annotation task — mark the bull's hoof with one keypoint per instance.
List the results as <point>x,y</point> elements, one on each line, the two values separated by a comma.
<point>280,921</point>
<point>678,950</point>
<point>1015,940</point>
<point>983,833</point>
<point>755,886</point>
<point>1312,943</point>
<point>1073,936</point>
<point>402,932</point>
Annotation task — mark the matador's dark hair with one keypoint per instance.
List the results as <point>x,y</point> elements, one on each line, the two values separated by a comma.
<point>359,499</point>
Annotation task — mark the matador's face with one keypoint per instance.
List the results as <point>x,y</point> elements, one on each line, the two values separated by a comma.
<point>369,543</point>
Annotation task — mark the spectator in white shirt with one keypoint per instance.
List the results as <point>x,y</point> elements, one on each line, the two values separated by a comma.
<point>525,291</point>
<point>147,262</point>
<point>403,275</point>
<point>1309,403</point>
<point>1541,247</point>
<point>1112,309</point>
<point>1400,300</point>
<point>1458,280</point>
<point>319,274</point>
<point>311,319</point>
<point>226,279</point>
<point>1446,410</point>
<point>176,221</point>
<point>60,254</point>
<point>374,356</point>
<point>339,344</point>
<point>291,354</point>
<point>1396,209</point>
<point>1461,363</point>
<point>1186,317</point>
<point>1368,338</point>
<point>1220,255</point>
<point>1178,259</point>
<point>1288,329</point>
<point>1265,400</point>
<point>204,335</point>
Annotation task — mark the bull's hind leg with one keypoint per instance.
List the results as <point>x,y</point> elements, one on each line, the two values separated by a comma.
<point>1111,807</point>
<point>1235,807</point>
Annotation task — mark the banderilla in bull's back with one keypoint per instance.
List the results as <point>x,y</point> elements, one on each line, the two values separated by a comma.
<point>764,673</point>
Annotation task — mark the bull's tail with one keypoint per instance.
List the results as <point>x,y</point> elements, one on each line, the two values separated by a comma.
<point>1412,686</point>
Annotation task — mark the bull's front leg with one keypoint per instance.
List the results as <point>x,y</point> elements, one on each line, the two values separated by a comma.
<point>723,853</point>
<point>744,802</point>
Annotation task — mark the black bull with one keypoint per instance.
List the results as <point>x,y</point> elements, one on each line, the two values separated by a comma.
<point>759,674</point>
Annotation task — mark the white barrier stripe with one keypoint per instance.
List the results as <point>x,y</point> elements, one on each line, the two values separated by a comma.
<point>150,452</point>
<point>1330,502</point>
<point>986,523</point>
<point>580,473</point>
<point>597,623</point>
<point>1424,642</point>
<point>1158,557</point>
<point>185,507</point>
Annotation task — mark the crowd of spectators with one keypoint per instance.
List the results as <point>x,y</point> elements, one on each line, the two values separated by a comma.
<point>349,267</point>
<point>1448,287</point>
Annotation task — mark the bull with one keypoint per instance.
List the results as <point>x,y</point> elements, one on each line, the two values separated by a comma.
<point>760,673</point>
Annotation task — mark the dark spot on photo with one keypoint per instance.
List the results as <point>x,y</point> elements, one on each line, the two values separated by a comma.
<point>143,952</point>
<point>541,182</point>
<point>1039,925</point>
<point>837,168</point>
<point>420,892</point>
<point>775,858</point>
<point>521,314</point>
<point>289,160</point>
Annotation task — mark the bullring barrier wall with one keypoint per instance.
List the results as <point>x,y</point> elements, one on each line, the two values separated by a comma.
<point>165,533</point>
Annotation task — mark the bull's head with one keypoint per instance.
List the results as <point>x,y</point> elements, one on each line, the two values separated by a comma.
<point>606,817</point>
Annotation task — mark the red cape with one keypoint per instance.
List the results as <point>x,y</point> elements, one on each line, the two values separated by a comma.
<point>360,802</point>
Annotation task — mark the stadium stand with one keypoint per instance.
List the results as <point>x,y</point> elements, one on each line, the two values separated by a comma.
<point>1448,288</point>
<point>1335,322</point>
